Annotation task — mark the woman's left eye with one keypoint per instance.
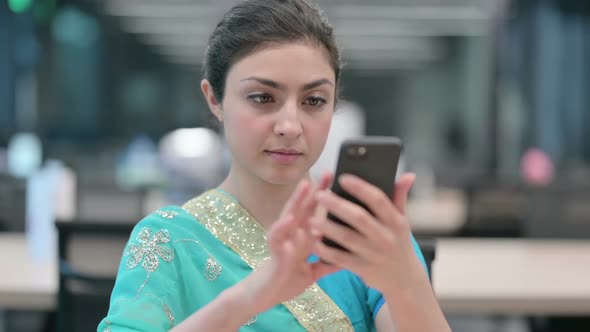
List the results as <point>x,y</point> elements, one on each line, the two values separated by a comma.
<point>260,98</point>
<point>315,101</point>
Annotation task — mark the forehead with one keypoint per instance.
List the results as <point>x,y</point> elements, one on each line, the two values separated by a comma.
<point>291,62</point>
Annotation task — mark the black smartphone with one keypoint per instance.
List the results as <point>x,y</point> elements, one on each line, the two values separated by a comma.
<point>372,158</point>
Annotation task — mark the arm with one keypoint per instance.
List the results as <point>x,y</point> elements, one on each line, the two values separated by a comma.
<point>414,309</point>
<point>380,251</point>
<point>384,320</point>
<point>228,312</point>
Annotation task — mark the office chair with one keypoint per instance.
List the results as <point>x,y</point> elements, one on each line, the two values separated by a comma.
<point>89,256</point>
<point>561,210</point>
<point>494,209</point>
<point>428,248</point>
<point>12,204</point>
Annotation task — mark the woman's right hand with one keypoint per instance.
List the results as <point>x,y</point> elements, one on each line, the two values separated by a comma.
<point>288,273</point>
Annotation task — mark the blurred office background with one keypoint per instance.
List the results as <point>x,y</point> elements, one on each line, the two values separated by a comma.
<point>102,120</point>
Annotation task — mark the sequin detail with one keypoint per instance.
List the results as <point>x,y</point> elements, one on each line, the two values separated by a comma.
<point>226,219</point>
<point>108,327</point>
<point>148,250</point>
<point>143,285</point>
<point>167,214</point>
<point>234,226</point>
<point>322,317</point>
<point>212,267</point>
<point>169,314</point>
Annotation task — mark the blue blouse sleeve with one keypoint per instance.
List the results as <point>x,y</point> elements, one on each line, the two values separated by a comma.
<point>144,297</point>
<point>375,299</point>
<point>419,254</point>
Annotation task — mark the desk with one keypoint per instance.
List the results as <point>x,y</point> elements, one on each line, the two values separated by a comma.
<point>510,276</point>
<point>479,276</point>
<point>24,284</point>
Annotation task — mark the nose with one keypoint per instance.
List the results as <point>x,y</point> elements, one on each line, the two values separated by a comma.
<point>288,123</point>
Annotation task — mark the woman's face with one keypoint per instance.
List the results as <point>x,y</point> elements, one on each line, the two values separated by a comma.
<point>277,110</point>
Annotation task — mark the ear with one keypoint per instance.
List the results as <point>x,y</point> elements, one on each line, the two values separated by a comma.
<point>214,104</point>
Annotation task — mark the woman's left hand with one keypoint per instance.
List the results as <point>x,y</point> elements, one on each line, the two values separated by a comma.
<point>380,245</point>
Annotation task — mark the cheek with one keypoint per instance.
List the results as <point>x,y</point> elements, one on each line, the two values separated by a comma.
<point>243,130</point>
<point>319,129</point>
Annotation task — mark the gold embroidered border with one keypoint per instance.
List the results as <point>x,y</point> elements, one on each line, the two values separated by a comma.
<point>234,226</point>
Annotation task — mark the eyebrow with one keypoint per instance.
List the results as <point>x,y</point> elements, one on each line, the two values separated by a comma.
<point>276,85</point>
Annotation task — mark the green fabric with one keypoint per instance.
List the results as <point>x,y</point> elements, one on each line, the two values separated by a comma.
<point>169,251</point>
<point>180,285</point>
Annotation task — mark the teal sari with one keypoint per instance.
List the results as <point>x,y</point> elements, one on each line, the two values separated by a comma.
<point>179,259</point>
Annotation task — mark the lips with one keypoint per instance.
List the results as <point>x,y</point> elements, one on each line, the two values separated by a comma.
<point>285,151</point>
<point>284,156</point>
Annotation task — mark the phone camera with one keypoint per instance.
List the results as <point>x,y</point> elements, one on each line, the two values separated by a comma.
<point>357,151</point>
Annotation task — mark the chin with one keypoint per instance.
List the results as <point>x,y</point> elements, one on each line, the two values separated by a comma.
<point>284,177</point>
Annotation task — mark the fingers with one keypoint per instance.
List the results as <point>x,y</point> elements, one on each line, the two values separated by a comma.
<point>280,231</point>
<point>402,189</point>
<point>374,198</point>
<point>352,214</point>
<point>321,269</point>
<point>288,230</point>
<point>310,204</point>
<point>302,203</point>
<point>337,257</point>
<point>377,201</point>
<point>303,243</point>
<point>297,199</point>
<point>350,239</point>
<point>325,181</point>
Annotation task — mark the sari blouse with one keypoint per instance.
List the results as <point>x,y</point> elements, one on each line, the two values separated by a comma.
<point>178,259</point>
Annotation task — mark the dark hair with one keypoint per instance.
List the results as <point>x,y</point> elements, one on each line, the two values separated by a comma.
<point>253,24</point>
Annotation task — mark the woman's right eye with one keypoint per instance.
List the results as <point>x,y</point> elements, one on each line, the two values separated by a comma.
<point>260,98</point>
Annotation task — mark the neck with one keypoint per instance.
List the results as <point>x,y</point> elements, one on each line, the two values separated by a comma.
<point>263,200</point>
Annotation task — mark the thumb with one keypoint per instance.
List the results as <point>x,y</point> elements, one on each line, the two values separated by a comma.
<point>402,188</point>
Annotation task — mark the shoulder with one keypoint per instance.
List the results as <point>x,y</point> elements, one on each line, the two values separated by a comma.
<point>168,215</point>
<point>171,216</point>
<point>174,222</point>
<point>165,225</point>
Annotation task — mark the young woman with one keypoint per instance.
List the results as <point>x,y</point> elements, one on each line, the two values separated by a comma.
<point>244,256</point>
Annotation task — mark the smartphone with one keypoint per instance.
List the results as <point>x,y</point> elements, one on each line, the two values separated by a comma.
<point>372,158</point>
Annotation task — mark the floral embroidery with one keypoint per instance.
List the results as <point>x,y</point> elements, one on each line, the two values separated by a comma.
<point>148,250</point>
<point>167,214</point>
